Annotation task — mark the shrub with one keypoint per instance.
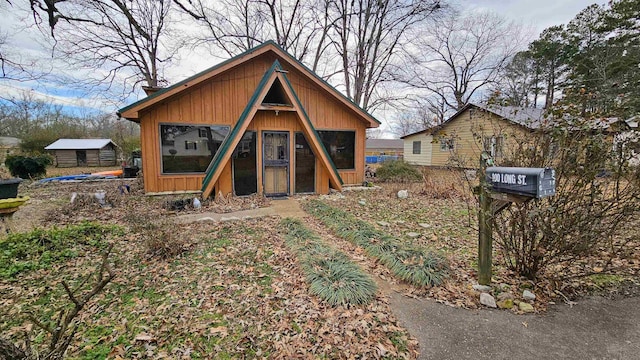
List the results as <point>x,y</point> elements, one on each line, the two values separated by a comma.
<point>160,238</point>
<point>331,275</point>
<point>588,220</point>
<point>398,171</point>
<point>419,267</point>
<point>28,167</point>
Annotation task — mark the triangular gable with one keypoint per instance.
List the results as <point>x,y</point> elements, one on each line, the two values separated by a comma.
<point>229,144</point>
<point>132,112</point>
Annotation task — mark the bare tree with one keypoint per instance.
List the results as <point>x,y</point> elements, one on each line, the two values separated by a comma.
<point>299,27</point>
<point>126,38</point>
<point>457,56</point>
<point>368,36</point>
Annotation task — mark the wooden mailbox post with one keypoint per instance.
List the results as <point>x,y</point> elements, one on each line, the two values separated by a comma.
<point>499,188</point>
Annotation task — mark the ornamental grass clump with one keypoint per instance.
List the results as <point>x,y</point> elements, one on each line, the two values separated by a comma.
<point>331,275</point>
<point>418,267</point>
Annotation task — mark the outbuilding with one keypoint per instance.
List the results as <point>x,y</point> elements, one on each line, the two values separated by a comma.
<point>260,122</point>
<point>83,152</point>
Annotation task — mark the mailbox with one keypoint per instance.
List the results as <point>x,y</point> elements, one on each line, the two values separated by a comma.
<point>532,182</point>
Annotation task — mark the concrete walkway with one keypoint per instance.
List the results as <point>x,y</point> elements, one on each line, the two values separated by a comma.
<point>594,328</point>
<point>288,207</point>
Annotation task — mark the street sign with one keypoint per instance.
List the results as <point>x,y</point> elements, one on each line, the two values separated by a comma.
<point>532,182</point>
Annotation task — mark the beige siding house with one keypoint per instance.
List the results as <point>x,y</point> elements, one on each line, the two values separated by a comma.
<point>418,148</point>
<point>460,140</point>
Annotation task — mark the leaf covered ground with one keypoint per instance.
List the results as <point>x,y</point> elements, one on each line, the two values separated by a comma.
<point>229,290</point>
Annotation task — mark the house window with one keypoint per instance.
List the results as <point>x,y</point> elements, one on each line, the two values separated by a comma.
<point>188,148</point>
<point>341,147</point>
<point>190,145</point>
<point>447,145</point>
<point>493,145</point>
<point>416,147</point>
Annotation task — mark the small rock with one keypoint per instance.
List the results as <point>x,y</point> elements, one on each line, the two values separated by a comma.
<point>528,295</point>
<point>481,288</point>
<point>424,225</point>
<point>413,234</point>
<point>524,307</point>
<point>362,202</point>
<point>383,223</point>
<point>488,300</point>
<point>505,304</point>
<point>403,194</point>
<point>505,296</point>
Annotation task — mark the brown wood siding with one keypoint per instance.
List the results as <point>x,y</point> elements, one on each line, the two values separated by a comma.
<point>221,101</point>
<point>467,146</point>
<point>65,158</point>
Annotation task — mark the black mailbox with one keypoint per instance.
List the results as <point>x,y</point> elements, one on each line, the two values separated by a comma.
<point>532,182</point>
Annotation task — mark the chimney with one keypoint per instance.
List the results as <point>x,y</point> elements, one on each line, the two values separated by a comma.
<point>150,90</point>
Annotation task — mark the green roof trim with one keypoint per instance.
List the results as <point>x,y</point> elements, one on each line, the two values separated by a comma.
<point>226,144</point>
<point>269,42</point>
<point>313,129</point>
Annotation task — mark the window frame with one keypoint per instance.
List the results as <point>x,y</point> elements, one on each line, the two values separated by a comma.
<point>160,145</point>
<point>417,150</point>
<point>447,144</point>
<point>355,133</point>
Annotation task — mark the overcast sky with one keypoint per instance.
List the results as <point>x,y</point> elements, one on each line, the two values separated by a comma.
<point>536,14</point>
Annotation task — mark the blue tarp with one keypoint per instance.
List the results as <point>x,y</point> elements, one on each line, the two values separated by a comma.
<point>380,158</point>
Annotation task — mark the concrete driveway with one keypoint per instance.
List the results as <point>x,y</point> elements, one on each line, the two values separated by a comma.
<point>594,328</point>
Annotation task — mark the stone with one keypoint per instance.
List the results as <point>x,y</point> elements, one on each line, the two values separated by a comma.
<point>488,300</point>
<point>362,202</point>
<point>403,194</point>
<point>524,307</point>
<point>505,304</point>
<point>528,295</point>
<point>424,225</point>
<point>505,296</point>
<point>481,288</point>
<point>413,234</point>
<point>383,223</point>
<point>230,218</point>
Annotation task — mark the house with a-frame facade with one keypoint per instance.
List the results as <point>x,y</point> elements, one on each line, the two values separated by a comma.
<point>260,122</point>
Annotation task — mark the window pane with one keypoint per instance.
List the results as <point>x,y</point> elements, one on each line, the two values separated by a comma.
<point>305,166</point>
<point>245,175</point>
<point>416,147</point>
<point>341,147</point>
<point>188,148</point>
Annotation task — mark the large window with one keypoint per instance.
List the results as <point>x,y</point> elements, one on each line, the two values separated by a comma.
<point>188,148</point>
<point>341,147</point>
<point>416,147</point>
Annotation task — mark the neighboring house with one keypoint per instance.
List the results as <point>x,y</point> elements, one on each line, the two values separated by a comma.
<point>83,152</point>
<point>460,140</point>
<point>380,150</point>
<point>393,147</point>
<point>260,122</point>
<point>418,147</point>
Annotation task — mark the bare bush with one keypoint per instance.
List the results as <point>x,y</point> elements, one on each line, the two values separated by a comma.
<point>160,238</point>
<point>442,184</point>
<point>595,195</point>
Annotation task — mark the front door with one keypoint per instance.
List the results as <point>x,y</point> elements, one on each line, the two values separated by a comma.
<point>81,157</point>
<point>275,148</point>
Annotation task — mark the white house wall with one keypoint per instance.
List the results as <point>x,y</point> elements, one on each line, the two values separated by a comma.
<point>424,158</point>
